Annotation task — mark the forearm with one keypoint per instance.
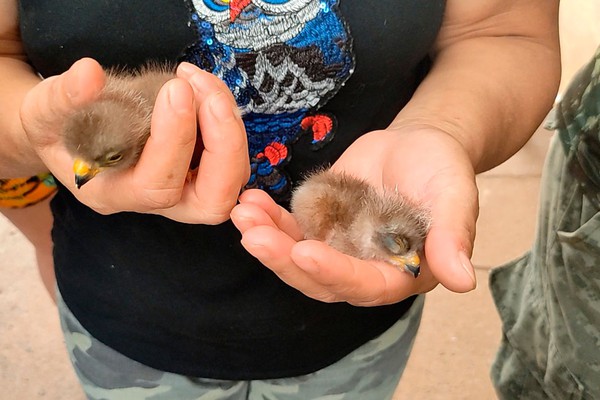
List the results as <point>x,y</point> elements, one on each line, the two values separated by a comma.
<point>17,158</point>
<point>492,86</point>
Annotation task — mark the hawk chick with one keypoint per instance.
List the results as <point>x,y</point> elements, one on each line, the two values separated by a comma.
<point>351,216</point>
<point>112,131</point>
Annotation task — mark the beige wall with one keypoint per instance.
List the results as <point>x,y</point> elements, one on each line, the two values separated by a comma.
<point>580,34</point>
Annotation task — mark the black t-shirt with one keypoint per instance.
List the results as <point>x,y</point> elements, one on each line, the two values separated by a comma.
<point>188,298</point>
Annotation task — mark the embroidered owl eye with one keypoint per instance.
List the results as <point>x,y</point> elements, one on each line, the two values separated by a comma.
<point>218,11</point>
<point>282,6</point>
<point>213,11</point>
<point>217,5</point>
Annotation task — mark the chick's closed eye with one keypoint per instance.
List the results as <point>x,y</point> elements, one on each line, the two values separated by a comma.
<point>351,216</point>
<point>112,158</point>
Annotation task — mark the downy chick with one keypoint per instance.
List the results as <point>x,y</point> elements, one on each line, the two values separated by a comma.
<point>111,132</point>
<point>351,216</point>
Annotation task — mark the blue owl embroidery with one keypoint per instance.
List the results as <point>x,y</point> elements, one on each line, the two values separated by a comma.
<point>282,60</point>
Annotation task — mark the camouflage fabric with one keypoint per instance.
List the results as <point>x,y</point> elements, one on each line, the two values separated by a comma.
<point>370,372</point>
<point>549,300</point>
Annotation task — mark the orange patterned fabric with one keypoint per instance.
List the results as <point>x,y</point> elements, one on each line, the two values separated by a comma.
<point>24,192</point>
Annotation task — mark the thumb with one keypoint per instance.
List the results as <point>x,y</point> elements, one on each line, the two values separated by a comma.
<point>47,104</point>
<point>449,244</point>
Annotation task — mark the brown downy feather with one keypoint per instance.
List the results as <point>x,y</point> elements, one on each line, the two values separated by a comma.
<point>352,217</point>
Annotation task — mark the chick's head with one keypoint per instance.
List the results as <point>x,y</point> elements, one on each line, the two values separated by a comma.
<point>398,231</point>
<point>108,134</point>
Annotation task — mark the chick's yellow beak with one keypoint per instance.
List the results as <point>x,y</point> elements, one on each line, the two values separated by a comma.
<point>83,172</point>
<point>410,262</point>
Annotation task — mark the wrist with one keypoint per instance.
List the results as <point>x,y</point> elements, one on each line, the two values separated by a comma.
<point>440,133</point>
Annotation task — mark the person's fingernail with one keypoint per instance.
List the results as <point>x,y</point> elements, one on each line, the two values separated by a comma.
<point>466,264</point>
<point>241,215</point>
<point>186,69</point>
<point>178,101</point>
<point>200,82</point>
<point>221,107</point>
<point>256,249</point>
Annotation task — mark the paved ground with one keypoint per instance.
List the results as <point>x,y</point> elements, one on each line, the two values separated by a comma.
<point>459,333</point>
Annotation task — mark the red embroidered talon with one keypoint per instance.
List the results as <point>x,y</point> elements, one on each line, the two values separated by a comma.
<point>275,152</point>
<point>321,126</point>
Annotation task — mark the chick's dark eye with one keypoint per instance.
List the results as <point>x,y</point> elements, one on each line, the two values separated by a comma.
<point>114,157</point>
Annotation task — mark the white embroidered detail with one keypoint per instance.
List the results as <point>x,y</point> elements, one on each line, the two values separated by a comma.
<point>260,24</point>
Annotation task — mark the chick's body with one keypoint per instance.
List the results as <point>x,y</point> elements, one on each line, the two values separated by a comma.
<point>112,131</point>
<point>352,217</point>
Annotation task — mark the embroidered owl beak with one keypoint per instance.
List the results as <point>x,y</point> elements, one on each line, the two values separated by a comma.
<point>84,172</point>
<point>236,7</point>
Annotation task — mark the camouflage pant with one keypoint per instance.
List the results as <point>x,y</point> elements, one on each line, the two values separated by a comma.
<point>549,300</point>
<point>370,372</point>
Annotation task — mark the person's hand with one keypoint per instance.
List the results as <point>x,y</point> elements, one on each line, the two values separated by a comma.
<point>159,183</point>
<point>424,164</point>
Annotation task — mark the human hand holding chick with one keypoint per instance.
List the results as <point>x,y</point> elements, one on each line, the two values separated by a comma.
<point>159,183</point>
<point>428,166</point>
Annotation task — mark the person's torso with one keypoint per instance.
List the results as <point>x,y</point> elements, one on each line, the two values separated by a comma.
<point>310,76</point>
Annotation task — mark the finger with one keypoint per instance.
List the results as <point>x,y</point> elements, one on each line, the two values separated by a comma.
<point>356,281</point>
<point>160,174</point>
<point>224,142</point>
<point>282,218</point>
<point>450,239</point>
<point>224,166</point>
<point>248,215</point>
<point>204,83</point>
<point>50,103</point>
<point>272,248</point>
<point>46,105</point>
